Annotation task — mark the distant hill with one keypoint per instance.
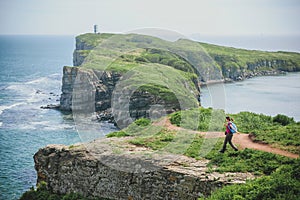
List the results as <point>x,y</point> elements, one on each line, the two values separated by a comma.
<point>210,62</point>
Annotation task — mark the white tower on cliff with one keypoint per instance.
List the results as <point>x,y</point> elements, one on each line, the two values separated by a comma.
<point>95,28</point>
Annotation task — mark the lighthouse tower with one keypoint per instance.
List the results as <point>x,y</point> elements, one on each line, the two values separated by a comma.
<point>95,29</point>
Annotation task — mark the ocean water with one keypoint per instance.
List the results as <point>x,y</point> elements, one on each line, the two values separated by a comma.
<point>30,77</point>
<point>270,95</point>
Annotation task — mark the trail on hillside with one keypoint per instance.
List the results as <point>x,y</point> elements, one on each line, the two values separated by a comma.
<point>242,140</point>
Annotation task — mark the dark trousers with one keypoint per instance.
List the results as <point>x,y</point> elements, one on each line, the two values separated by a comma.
<point>228,139</point>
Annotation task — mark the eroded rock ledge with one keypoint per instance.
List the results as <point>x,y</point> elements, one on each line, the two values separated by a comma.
<point>114,169</point>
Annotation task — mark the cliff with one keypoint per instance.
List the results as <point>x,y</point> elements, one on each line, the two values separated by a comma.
<point>114,169</point>
<point>159,71</point>
<point>239,64</point>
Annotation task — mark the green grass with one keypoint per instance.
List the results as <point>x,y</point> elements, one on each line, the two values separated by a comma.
<point>200,119</point>
<point>195,146</point>
<point>283,137</point>
<point>185,55</point>
<point>136,127</point>
<point>271,130</point>
<point>230,58</point>
<point>93,40</point>
<point>284,183</point>
<point>157,141</point>
<point>117,134</point>
<point>247,160</point>
<point>265,128</point>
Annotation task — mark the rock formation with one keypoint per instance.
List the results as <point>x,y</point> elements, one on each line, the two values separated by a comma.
<point>112,169</point>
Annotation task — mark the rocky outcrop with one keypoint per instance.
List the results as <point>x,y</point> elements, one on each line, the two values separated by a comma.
<point>89,91</point>
<point>98,169</point>
<point>259,68</point>
<point>87,84</point>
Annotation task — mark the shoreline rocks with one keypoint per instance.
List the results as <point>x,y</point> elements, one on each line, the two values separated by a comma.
<point>51,106</point>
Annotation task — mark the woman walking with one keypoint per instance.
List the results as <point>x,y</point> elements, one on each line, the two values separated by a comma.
<point>230,129</point>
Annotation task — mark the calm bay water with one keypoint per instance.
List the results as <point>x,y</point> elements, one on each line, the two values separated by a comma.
<point>30,76</point>
<point>270,95</point>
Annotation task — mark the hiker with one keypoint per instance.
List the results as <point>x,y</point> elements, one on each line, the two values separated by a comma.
<point>230,129</point>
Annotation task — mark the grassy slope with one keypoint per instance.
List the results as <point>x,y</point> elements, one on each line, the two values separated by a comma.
<point>183,142</point>
<point>280,178</point>
<point>282,132</point>
<point>228,56</point>
<point>194,52</point>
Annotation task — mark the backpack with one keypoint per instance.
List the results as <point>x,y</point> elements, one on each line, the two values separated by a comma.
<point>234,129</point>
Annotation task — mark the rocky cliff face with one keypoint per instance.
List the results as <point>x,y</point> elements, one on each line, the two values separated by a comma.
<point>87,83</point>
<point>81,51</point>
<point>98,170</point>
<point>89,91</point>
<point>259,68</point>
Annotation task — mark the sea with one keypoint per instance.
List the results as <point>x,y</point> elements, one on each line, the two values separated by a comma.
<point>30,77</point>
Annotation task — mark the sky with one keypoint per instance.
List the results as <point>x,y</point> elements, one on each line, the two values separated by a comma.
<point>207,17</point>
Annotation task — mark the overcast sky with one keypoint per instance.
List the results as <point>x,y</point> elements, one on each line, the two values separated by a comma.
<point>217,17</point>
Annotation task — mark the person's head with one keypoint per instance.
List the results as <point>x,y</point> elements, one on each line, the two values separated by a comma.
<point>228,118</point>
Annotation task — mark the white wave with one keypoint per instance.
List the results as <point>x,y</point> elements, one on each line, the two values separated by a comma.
<point>45,125</point>
<point>38,81</point>
<point>1,124</point>
<point>56,76</point>
<point>26,127</point>
<point>38,90</point>
<point>2,108</point>
<point>59,127</point>
<point>21,88</point>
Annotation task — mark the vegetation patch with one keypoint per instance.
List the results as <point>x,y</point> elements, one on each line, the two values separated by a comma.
<point>235,59</point>
<point>247,160</point>
<point>156,141</point>
<point>200,119</point>
<point>280,131</point>
<point>142,122</point>
<point>184,55</point>
<point>117,134</point>
<point>284,183</point>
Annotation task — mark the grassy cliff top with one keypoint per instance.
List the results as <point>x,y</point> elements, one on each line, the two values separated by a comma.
<point>197,54</point>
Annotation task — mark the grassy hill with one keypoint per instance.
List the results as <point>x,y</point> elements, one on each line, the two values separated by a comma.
<point>120,52</point>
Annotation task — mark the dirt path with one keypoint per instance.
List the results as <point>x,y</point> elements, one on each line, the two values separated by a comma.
<point>242,140</point>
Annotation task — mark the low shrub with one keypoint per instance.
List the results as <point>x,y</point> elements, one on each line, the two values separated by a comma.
<point>283,119</point>
<point>284,183</point>
<point>142,122</point>
<point>117,134</point>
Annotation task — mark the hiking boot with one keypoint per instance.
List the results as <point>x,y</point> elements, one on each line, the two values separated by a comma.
<point>221,151</point>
